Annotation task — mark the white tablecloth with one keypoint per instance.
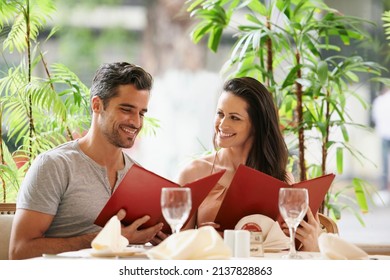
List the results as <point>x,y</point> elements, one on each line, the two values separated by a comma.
<point>86,254</point>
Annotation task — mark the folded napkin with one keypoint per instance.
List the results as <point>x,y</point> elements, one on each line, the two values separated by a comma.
<point>109,239</point>
<point>273,236</point>
<point>204,243</point>
<point>335,248</point>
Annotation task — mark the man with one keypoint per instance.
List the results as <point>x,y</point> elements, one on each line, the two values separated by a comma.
<point>66,188</point>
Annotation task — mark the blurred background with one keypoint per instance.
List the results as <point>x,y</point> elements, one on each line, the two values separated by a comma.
<point>155,34</point>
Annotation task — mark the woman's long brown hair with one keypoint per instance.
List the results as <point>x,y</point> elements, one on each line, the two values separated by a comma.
<point>269,152</point>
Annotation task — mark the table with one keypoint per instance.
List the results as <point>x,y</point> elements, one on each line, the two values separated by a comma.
<point>86,254</point>
<point>375,249</point>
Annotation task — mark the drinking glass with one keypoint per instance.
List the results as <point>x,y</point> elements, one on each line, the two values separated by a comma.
<point>293,204</point>
<point>176,206</point>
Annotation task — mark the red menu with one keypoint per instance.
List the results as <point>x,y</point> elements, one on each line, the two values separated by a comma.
<point>139,194</point>
<point>254,192</point>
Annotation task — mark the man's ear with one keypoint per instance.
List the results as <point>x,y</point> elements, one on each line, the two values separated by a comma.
<point>96,104</point>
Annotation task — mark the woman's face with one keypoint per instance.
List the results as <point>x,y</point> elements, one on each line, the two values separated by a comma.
<point>232,123</point>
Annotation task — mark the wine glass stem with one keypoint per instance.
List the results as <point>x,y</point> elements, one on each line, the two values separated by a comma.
<point>175,228</point>
<point>292,252</point>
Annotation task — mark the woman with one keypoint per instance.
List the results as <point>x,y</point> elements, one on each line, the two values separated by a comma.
<point>246,132</point>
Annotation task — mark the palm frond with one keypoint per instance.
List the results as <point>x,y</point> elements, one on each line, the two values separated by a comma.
<point>386,24</point>
<point>37,14</point>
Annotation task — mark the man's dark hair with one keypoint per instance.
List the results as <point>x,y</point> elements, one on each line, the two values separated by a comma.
<point>110,76</point>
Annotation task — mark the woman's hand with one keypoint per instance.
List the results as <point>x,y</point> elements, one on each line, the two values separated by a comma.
<point>214,225</point>
<point>307,232</point>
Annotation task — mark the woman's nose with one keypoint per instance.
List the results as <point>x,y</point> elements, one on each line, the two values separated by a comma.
<point>222,123</point>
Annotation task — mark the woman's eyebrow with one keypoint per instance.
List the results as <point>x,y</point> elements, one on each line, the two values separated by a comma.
<point>235,113</point>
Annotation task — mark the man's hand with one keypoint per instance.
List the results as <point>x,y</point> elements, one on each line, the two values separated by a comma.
<point>135,236</point>
<point>160,236</point>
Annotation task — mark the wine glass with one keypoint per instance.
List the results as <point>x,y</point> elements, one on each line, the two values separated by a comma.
<point>176,206</point>
<point>293,204</point>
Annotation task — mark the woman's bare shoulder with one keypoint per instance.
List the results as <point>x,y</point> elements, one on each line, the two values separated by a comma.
<point>196,169</point>
<point>290,178</point>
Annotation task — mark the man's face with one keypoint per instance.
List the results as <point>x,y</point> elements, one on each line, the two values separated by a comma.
<point>122,119</point>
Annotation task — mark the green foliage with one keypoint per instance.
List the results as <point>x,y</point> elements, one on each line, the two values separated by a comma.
<point>41,105</point>
<point>38,112</point>
<point>386,24</point>
<point>283,44</point>
<point>21,13</point>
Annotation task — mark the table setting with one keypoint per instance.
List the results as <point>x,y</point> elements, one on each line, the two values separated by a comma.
<point>254,237</point>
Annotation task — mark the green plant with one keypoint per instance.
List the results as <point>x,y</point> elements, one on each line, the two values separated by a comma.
<point>288,45</point>
<point>42,105</point>
<point>39,112</point>
<point>386,26</point>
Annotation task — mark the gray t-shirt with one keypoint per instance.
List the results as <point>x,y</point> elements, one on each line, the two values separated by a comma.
<point>66,183</point>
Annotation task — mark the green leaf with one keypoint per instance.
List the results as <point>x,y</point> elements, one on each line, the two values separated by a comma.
<point>335,211</point>
<point>339,159</point>
<point>291,76</point>
<point>253,19</point>
<point>258,7</point>
<point>345,133</point>
<point>352,76</point>
<point>322,72</point>
<point>215,39</point>
<point>200,31</point>
<point>360,194</point>
<point>194,4</point>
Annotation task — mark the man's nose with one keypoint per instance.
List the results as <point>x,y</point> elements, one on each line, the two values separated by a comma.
<point>136,121</point>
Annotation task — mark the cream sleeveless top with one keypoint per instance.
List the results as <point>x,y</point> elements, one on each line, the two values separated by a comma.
<point>208,210</point>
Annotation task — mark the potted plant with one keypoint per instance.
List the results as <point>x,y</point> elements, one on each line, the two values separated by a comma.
<point>39,111</point>
<point>288,46</point>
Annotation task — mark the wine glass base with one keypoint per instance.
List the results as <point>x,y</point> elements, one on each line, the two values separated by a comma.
<point>292,257</point>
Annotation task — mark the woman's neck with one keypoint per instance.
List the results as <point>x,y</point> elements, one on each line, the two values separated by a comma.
<point>231,158</point>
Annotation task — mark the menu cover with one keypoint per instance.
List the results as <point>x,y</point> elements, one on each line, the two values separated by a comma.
<point>139,194</point>
<point>254,192</point>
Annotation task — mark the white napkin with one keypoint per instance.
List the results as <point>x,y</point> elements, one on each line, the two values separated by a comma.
<point>335,248</point>
<point>204,243</point>
<point>109,239</point>
<point>273,236</point>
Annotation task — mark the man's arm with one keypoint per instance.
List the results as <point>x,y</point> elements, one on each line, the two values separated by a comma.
<point>28,240</point>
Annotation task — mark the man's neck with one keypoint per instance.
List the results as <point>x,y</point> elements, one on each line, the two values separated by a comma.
<point>102,152</point>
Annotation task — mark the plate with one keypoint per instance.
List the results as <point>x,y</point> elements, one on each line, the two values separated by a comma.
<point>128,252</point>
<point>273,250</point>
